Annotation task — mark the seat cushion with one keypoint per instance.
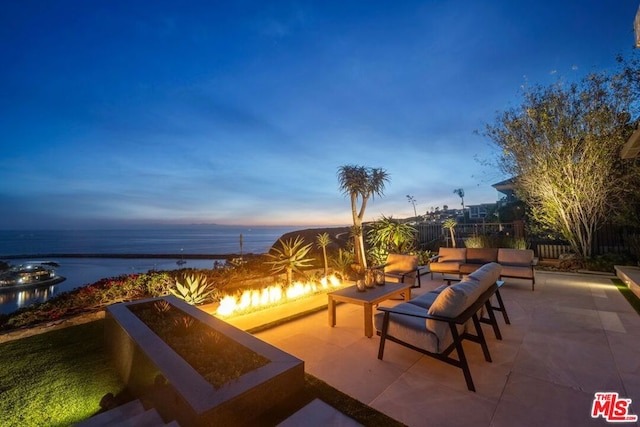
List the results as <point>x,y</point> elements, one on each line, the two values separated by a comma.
<point>409,329</point>
<point>515,271</point>
<point>445,267</point>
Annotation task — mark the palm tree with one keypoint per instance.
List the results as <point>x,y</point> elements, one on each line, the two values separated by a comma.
<point>412,200</point>
<point>361,183</point>
<point>450,224</point>
<point>323,240</point>
<point>460,193</point>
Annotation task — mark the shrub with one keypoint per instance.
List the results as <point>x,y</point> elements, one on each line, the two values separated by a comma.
<point>496,241</point>
<point>606,262</point>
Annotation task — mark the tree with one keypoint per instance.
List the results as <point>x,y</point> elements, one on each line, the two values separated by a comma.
<point>360,183</point>
<point>323,240</point>
<point>563,145</point>
<point>460,193</point>
<point>412,200</point>
<point>450,224</point>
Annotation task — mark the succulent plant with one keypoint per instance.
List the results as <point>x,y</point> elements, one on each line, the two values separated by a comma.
<point>196,291</point>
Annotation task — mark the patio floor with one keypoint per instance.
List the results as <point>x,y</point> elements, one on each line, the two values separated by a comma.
<point>573,336</point>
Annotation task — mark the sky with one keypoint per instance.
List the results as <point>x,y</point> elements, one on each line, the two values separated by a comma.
<point>124,113</point>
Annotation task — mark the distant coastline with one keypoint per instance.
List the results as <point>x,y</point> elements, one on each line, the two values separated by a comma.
<point>128,256</point>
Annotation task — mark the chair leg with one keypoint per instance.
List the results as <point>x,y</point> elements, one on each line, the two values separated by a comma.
<point>464,365</point>
<point>492,320</point>
<point>501,307</point>
<point>481,339</point>
<point>383,334</point>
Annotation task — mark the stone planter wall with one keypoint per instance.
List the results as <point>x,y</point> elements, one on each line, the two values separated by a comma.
<point>140,356</point>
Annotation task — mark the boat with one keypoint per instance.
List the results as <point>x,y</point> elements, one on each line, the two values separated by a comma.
<point>28,276</point>
<point>181,261</point>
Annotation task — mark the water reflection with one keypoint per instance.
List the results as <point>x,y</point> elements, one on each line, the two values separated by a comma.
<point>83,271</point>
<point>19,299</point>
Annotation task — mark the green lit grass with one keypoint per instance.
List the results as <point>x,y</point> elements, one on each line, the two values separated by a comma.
<point>56,378</point>
<point>628,294</point>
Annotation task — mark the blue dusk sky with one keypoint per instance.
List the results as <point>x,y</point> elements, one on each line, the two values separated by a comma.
<point>119,113</point>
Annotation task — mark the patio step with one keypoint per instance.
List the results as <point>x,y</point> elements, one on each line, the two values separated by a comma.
<point>630,276</point>
<point>131,414</point>
<point>319,414</point>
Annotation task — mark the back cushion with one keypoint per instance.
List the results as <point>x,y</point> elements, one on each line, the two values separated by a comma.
<point>397,263</point>
<point>482,255</point>
<point>452,254</point>
<point>487,275</point>
<point>451,302</point>
<point>515,256</point>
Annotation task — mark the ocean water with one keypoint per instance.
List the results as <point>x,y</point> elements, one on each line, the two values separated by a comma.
<point>187,239</point>
<point>20,247</point>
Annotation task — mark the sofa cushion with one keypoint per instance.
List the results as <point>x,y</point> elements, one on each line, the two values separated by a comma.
<point>424,300</point>
<point>481,255</point>
<point>451,302</point>
<point>517,271</point>
<point>520,257</point>
<point>445,267</point>
<point>488,274</point>
<point>469,268</point>
<point>458,255</point>
<point>401,268</point>
<point>400,264</point>
<point>409,329</point>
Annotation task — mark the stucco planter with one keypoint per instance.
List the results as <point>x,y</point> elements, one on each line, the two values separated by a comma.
<point>142,359</point>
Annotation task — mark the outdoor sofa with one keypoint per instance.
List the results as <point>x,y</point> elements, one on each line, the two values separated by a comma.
<point>436,323</point>
<point>516,263</point>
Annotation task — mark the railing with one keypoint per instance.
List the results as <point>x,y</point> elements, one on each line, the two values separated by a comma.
<point>608,239</point>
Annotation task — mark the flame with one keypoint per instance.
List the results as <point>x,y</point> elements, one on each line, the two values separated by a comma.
<point>275,294</point>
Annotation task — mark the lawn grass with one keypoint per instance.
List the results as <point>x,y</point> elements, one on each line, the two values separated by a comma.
<point>58,378</point>
<point>55,378</point>
<point>628,294</point>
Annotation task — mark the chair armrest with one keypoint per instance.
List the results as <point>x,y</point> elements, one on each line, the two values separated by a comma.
<point>434,258</point>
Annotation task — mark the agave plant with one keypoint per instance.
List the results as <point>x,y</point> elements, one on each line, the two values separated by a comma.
<point>290,257</point>
<point>196,290</point>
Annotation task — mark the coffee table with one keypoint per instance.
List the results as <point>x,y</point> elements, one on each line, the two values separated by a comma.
<point>367,299</point>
